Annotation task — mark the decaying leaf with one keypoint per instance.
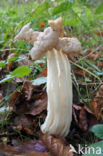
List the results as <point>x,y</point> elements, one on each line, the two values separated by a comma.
<point>9,65</point>
<point>97,103</point>
<point>24,101</point>
<point>39,105</point>
<point>25,149</point>
<point>80,72</point>
<point>93,55</point>
<point>99,33</point>
<point>42,24</point>
<point>28,89</point>
<point>1,97</point>
<point>83,122</point>
<point>24,123</point>
<point>83,117</point>
<point>55,145</point>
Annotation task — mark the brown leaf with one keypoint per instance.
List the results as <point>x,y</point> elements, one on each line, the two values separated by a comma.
<point>23,121</point>
<point>24,149</point>
<point>55,145</point>
<point>83,122</point>
<point>99,33</point>
<point>44,73</point>
<point>39,105</point>
<point>14,97</point>
<point>97,103</point>
<point>9,65</point>
<point>36,154</point>
<point>42,24</point>
<point>1,97</point>
<point>27,130</point>
<point>27,89</point>
<point>75,117</point>
<point>93,55</point>
<point>83,117</point>
<point>80,72</point>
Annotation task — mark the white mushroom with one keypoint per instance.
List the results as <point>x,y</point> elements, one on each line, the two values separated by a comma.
<point>59,84</point>
<point>27,34</point>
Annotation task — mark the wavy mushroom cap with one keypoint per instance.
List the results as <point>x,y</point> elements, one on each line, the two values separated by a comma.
<point>69,45</point>
<point>46,41</point>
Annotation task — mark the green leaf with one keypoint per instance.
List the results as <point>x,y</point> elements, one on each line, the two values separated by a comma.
<point>40,9</point>
<point>64,6</point>
<point>99,9</point>
<point>7,79</point>
<point>21,71</point>
<point>40,81</point>
<point>2,64</point>
<point>98,130</point>
<point>95,149</point>
<point>12,59</point>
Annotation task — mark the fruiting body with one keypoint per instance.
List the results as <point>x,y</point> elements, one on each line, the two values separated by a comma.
<point>59,90</point>
<point>59,85</point>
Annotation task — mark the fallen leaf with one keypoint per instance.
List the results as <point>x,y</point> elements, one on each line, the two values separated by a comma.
<point>27,89</point>
<point>39,105</point>
<point>42,24</point>
<point>83,122</point>
<point>44,73</point>
<point>80,72</point>
<point>83,117</point>
<point>99,33</point>
<point>1,97</point>
<point>55,145</point>
<point>97,103</point>
<point>9,65</point>
<point>23,120</point>
<point>36,154</point>
<point>24,149</point>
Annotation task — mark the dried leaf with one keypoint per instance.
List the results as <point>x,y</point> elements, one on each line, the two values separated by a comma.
<point>36,154</point>
<point>1,97</point>
<point>83,122</point>
<point>55,145</point>
<point>23,122</point>
<point>39,105</point>
<point>9,65</point>
<point>42,24</point>
<point>75,117</point>
<point>44,73</point>
<point>27,130</point>
<point>97,103</point>
<point>28,89</point>
<point>24,149</point>
<point>80,72</point>
<point>99,33</point>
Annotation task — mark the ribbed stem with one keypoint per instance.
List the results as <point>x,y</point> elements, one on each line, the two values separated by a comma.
<point>59,90</point>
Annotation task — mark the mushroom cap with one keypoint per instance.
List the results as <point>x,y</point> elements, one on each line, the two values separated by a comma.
<point>52,37</point>
<point>26,33</point>
<point>22,32</point>
<point>46,41</point>
<point>56,25</point>
<point>69,45</point>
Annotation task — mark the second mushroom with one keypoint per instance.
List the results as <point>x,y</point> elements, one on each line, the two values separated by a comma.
<point>59,84</point>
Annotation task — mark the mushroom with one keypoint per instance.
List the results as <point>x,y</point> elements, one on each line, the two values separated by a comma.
<point>59,84</point>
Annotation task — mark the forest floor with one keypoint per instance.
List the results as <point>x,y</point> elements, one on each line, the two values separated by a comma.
<point>23,97</point>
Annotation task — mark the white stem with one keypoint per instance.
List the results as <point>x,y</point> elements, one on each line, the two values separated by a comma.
<point>59,90</point>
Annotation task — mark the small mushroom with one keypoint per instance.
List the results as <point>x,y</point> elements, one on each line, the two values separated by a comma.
<point>59,84</point>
